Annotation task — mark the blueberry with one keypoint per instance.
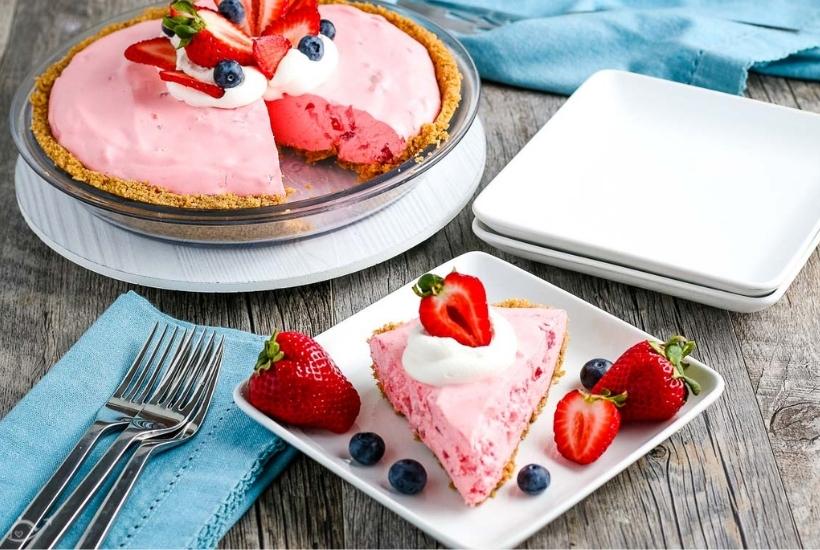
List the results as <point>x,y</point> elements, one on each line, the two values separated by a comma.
<point>166,31</point>
<point>592,371</point>
<point>327,28</point>
<point>233,10</point>
<point>228,73</point>
<point>366,448</point>
<point>312,47</point>
<point>407,476</point>
<point>533,479</point>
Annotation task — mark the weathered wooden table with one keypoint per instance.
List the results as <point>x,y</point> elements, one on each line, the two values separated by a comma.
<point>746,473</point>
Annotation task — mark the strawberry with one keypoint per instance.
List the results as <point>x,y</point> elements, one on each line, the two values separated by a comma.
<point>299,4</point>
<point>158,52</point>
<point>248,24</point>
<point>179,77</point>
<point>586,424</point>
<point>219,40</point>
<point>268,11</point>
<point>455,306</point>
<point>653,376</point>
<point>268,51</point>
<point>295,381</point>
<point>296,24</point>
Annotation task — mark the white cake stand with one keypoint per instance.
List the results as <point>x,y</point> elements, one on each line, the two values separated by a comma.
<point>67,227</point>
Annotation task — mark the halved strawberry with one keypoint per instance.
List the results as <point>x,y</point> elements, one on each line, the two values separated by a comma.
<point>268,51</point>
<point>455,307</point>
<point>219,40</point>
<point>248,25</point>
<point>158,52</point>
<point>268,11</point>
<point>586,424</point>
<point>179,77</point>
<point>295,25</point>
<point>299,4</point>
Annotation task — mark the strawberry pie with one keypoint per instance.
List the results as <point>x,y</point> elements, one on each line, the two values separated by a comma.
<point>186,105</point>
<point>470,378</point>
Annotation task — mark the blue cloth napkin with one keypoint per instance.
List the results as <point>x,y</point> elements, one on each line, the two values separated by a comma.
<point>188,496</point>
<point>707,43</point>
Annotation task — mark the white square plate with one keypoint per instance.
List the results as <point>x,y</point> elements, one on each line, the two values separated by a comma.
<point>687,183</point>
<point>511,516</point>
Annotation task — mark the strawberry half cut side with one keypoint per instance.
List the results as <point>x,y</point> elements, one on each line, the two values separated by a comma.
<point>296,24</point>
<point>586,424</point>
<point>268,11</point>
<point>179,77</point>
<point>268,52</point>
<point>219,40</point>
<point>157,52</point>
<point>455,307</point>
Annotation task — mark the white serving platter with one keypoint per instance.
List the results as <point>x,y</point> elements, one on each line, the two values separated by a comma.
<point>691,184</point>
<point>681,289</point>
<point>511,516</point>
<point>70,229</point>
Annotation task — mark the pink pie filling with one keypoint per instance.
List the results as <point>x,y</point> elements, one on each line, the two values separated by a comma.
<point>117,118</point>
<point>383,91</point>
<point>473,429</point>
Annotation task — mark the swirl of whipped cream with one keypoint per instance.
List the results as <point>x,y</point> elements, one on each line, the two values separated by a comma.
<point>443,361</point>
<point>251,89</point>
<point>297,74</point>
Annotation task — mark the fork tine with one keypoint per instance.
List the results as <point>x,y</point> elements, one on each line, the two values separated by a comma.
<point>177,368</point>
<point>134,368</point>
<point>160,349</point>
<point>201,398</point>
<point>194,375</point>
<point>149,384</point>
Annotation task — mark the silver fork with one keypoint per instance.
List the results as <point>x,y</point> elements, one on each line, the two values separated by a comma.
<point>170,407</point>
<point>102,521</point>
<point>124,403</point>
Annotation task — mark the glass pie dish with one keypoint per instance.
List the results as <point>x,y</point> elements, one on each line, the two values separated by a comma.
<point>326,196</point>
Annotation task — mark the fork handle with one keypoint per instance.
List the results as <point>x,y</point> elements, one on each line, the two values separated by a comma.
<point>102,521</point>
<point>56,526</point>
<point>25,524</point>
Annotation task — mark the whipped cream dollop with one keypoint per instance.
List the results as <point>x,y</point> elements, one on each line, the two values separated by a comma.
<point>250,90</point>
<point>443,361</point>
<point>297,74</point>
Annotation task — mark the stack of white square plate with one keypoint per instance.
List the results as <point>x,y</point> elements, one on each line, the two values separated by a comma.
<point>694,193</point>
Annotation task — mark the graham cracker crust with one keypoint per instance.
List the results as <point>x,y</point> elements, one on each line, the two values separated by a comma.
<point>434,133</point>
<point>509,468</point>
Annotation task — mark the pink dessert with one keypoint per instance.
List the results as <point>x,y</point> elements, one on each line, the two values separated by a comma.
<point>118,118</point>
<point>474,428</point>
<point>381,94</point>
<point>185,104</point>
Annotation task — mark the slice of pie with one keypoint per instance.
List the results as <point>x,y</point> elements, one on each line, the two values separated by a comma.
<point>185,105</point>
<point>474,427</point>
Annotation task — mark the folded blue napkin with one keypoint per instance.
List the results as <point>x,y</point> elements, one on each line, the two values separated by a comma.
<point>188,496</point>
<point>707,43</point>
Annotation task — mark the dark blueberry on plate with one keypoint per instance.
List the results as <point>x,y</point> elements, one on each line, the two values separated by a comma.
<point>533,479</point>
<point>366,448</point>
<point>228,74</point>
<point>233,10</point>
<point>407,476</point>
<point>592,371</point>
<point>166,31</point>
<point>327,28</point>
<point>312,47</point>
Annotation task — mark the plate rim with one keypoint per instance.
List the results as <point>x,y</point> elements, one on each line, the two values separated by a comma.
<point>292,435</point>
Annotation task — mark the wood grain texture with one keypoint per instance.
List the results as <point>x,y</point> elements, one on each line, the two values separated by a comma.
<point>745,474</point>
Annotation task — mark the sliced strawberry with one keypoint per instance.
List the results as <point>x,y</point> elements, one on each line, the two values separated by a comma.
<point>179,77</point>
<point>268,51</point>
<point>248,25</point>
<point>158,52</point>
<point>268,11</point>
<point>299,4</point>
<point>296,24</point>
<point>219,40</point>
<point>586,424</point>
<point>455,307</point>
